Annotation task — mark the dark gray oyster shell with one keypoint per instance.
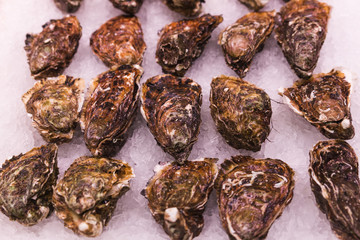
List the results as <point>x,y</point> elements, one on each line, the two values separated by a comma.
<point>110,108</point>
<point>86,197</point>
<point>177,196</point>
<point>255,5</point>
<point>26,185</point>
<point>51,51</point>
<point>188,8</point>
<point>252,194</point>
<point>69,6</point>
<point>182,42</point>
<point>171,106</point>
<point>128,6</point>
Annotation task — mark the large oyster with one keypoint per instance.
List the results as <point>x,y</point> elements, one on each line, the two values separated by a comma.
<point>128,6</point>
<point>86,197</point>
<point>324,101</point>
<point>252,194</point>
<point>171,107</point>
<point>69,6</point>
<point>110,108</point>
<point>188,8</point>
<point>255,5</point>
<point>182,42</point>
<point>26,185</point>
<point>177,196</point>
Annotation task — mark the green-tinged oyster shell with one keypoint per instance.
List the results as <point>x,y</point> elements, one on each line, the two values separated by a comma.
<point>128,6</point>
<point>255,5</point>
<point>188,8</point>
<point>69,6</point>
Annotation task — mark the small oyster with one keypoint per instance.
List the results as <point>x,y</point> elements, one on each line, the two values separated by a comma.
<point>26,185</point>
<point>69,6</point>
<point>178,194</point>
<point>171,107</point>
<point>86,197</point>
<point>128,6</point>
<point>188,8</point>
<point>54,106</point>
<point>252,194</point>
<point>255,5</point>
<point>301,31</point>
<point>182,42</point>
<point>51,51</point>
<point>119,41</point>
<point>110,109</point>
<point>243,39</point>
<point>324,101</point>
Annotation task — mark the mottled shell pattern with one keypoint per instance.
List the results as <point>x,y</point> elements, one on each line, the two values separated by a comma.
<point>69,6</point>
<point>128,6</point>
<point>255,5</point>
<point>188,8</point>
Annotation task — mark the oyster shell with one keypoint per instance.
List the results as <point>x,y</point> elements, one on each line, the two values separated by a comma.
<point>255,5</point>
<point>110,108</point>
<point>26,185</point>
<point>301,31</point>
<point>54,106</point>
<point>324,101</point>
<point>188,8</point>
<point>182,42</point>
<point>86,197</point>
<point>243,39</point>
<point>69,6</point>
<point>171,107</point>
<point>335,183</point>
<point>252,194</point>
<point>128,6</point>
<point>119,41</point>
<point>51,51</point>
<point>177,196</point>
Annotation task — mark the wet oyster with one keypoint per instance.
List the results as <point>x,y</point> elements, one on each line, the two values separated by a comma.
<point>255,5</point>
<point>69,6</point>
<point>86,197</point>
<point>171,107</point>
<point>178,194</point>
<point>54,106</point>
<point>252,194</point>
<point>51,51</point>
<point>324,101</point>
<point>335,183</point>
<point>26,185</point>
<point>119,41</point>
<point>188,8</point>
<point>110,109</point>
<point>182,42</point>
<point>301,31</point>
<point>128,6</point>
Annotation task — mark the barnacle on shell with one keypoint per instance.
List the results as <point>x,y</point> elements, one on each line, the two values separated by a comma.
<point>255,5</point>
<point>188,8</point>
<point>128,6</point>
<point>69,6</point>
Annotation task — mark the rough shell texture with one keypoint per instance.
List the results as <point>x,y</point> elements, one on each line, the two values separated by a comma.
<point>188,8</point>
<point>119,41</point>
<point>51,51</point>
<point>177,196</point>
<point>86,197</point>
<point>324,101</point>
<point>171,107</point>
<point>335,183</point>
<point>252,194</point>
<point>182,42</point>
<point>110,108</point>
<point>254,4</point>
<point>26,185</point>
<point>69,6</point>
<point>128,6</point>
<point>243,39</point>
<point>301,31</point>
<point>54,106</point>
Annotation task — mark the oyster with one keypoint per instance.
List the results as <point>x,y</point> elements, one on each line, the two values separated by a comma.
<point>54,106</point>
<point>51,51</point>
<point>182,42</point>
<point>110,109</point>
<point>119,41</point>
<point>171,107</point>
<point>335,183</point>
<point>86,197</point>
<point>255,5</point>
<point>252,194</point>
<point>69,6</point>
<point>26,185</point>
<point>324,101</point>
<point>188,8</point>
<point>128,6</point>
<point>301,31</point>
<point>243,39</point>
<point>177,196</point>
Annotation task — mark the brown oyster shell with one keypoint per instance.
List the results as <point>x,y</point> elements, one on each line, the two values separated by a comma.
<point>252,194</point>
<point>69,6</point>
<point>182,42</point>
<point>128,6</point>
<point>171,106</point>
<point>177,196</point>
<point>51,51</point>
<point>86,197</point>
<point>255,5</point>
<point>110,108</point>
<point>188,8</point>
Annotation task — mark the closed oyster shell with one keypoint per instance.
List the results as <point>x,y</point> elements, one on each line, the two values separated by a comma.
<point>252,194</point>
<point>26,185</point>
<point>128,6</point>
<point>69,6</point>
<point>86,197</point>
<point>188,8</point>
<point>171,107</point>
<point>255,5</point>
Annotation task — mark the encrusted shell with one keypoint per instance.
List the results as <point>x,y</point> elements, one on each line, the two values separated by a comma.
<point>26,185</point>
<point>86,197</point>
<point>171,106</point>
<point>255,5</point>
<point>188,8</point>
<point>128,6</point>
<point>69,6</point>
<point>252,194</point>
<point>177,196</point>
